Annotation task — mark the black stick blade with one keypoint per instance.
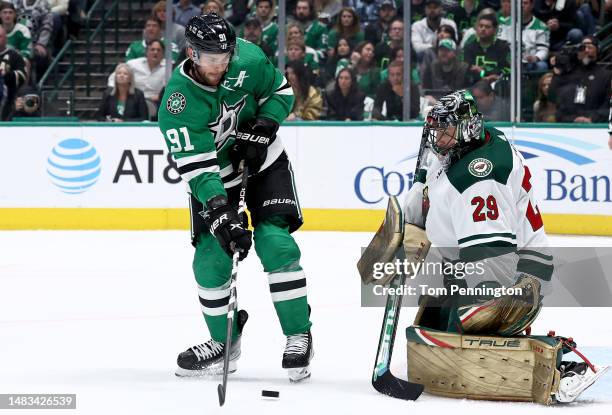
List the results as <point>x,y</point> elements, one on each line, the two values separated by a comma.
<point>221,393</point>
<point>397,388</point>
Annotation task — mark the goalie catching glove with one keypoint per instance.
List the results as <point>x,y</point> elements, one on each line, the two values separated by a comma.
<point>225,225</point>
<point>252,141</point>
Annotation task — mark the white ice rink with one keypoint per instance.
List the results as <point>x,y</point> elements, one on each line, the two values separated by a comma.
<point>104,315</point>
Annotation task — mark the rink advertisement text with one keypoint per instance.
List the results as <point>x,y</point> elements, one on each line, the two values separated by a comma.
<point>129,167</point>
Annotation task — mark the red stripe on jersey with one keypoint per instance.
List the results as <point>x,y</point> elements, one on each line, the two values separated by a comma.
<point>526,180</point>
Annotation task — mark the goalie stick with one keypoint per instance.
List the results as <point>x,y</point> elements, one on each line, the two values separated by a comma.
<point>222,388</point>
<point>382,378</point>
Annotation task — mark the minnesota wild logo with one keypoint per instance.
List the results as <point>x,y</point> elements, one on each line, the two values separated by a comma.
<point>176,103</point>
<point>480,167</point>
<point>226,122</point>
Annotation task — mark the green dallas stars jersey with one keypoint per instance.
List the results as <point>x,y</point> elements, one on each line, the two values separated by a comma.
<point>482,207</point>
<point>198,122</point>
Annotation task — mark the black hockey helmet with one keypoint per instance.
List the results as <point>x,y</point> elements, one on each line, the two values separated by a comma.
<point>210,33</point>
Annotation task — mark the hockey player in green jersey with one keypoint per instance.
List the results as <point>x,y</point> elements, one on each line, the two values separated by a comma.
<point>474,198</point>
<point>224,104</point>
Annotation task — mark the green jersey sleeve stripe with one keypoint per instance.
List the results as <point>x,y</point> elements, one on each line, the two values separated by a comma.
<point>535,268</point>
<point>531,252</point>
<point>487,237</point>
<point>485,251</point>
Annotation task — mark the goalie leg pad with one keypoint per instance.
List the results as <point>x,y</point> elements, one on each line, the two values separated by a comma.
<point>484,367</point>
<point>507,315</point>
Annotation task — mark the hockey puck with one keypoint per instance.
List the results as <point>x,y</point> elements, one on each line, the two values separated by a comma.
<point>270,394</point>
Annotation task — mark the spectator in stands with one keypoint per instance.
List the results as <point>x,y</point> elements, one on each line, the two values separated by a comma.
<point>149,75</point>
<point>124,102</point>
<point>535,40</point>
<point>388,104</point>
<point>152,31</point>
<point>581,91</point>
<point>491,107</point>
<point>364,65</point>
<point>177,32</point>
<point>344,102</point>
<point>446,73</point>
<point>430,55</point>
<point>253,33</point>
<point>295,33</point>
<point>12,73</point>
<point>308,101</point>
<point>185,10</point>
<point>296,52</point>
<point>560,17</point>
<point>395,40</point>
<point>59,9</point>
<point>314,31</point>
<point>465,14</point>
<point>487,56</point>
<point>264,12</point>
<point>341,58</point>
<point>504,18</point>
<point>19,36</point>
<point>348,27</point>
<point>27,103</point>
<point>424,31</point>
<point>470,34</point>
<point>544,109</point>
<point>376,32</point>
<point>37,17</point>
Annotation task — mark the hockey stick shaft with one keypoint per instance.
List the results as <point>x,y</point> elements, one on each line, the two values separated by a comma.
<point>231,308</point>
<point>382,379</point>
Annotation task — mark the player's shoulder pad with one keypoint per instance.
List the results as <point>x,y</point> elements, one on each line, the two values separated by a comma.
<point>491,161</point>
<point>183,99</point>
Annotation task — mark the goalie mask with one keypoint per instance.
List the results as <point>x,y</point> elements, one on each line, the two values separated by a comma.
<point>454,124</point>
<point>212,40</point>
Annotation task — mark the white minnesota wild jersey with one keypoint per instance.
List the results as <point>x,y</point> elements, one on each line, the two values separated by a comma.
<point>482,207</point>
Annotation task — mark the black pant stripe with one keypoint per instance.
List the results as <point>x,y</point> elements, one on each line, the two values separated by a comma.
<point>286,286</point>
<point>214,303</point>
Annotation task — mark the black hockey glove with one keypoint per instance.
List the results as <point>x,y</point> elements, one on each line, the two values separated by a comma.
<point>252,141</point>
<point>225,225</point>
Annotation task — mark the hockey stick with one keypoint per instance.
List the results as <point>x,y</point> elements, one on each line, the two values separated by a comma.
<point>382,378</point>
<point>222,388</point>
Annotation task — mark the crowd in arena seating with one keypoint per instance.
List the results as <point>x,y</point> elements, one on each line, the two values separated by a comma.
<point>344,58</point>
<point>31,32</point>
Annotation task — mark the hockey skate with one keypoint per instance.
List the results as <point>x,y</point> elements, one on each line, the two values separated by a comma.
<point>206,359</point>
<point>576,377</point>
<point>297,355</point>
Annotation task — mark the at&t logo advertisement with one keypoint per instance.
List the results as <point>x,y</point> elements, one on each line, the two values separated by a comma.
<point>74,166</point>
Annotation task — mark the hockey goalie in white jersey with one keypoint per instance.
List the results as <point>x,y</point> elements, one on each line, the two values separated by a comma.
<point>473,196</point>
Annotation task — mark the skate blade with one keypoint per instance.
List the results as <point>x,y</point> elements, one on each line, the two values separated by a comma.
<point>213,370</point>
<point>298,374</point>
<point>594,377</point>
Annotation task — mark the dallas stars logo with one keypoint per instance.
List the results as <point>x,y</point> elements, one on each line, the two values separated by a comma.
<point>226,122</point>
<point>176,103</point>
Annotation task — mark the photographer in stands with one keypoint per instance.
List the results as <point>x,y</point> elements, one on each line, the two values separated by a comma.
<point>580,87</point>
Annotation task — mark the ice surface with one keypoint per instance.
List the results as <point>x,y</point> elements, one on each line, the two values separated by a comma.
<point>104,314</point>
